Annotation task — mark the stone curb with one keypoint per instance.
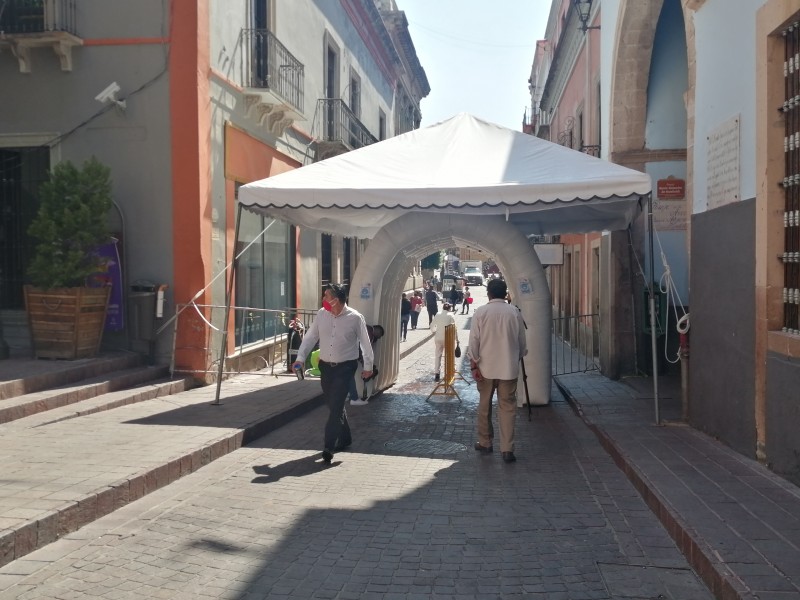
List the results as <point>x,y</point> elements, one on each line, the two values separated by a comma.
<point>722,583</point>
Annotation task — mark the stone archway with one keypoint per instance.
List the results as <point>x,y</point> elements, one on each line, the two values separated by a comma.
<point>381,275</point>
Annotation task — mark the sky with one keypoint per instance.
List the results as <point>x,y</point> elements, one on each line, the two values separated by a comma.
<point>477,55</point>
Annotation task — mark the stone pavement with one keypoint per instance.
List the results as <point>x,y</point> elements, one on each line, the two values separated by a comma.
<point>61,470</point>
<point>409,512</point>
<point>737,522</point>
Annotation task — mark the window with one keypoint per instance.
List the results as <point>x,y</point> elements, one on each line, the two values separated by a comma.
<point>347,258</point>
<point>326,258</point>
<point>381,125</point>
<point>262,279</point>
<point>355,94</point>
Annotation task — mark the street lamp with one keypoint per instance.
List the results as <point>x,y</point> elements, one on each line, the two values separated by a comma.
<point>584,10</point>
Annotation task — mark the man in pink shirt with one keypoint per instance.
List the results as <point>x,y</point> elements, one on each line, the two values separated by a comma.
<point>496,346</point>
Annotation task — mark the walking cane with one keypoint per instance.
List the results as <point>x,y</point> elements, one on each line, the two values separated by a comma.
<point>524,374</point>
<point>525,384</point>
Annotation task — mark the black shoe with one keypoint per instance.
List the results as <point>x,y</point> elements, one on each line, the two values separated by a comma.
<point>327,456</point>
<point>509,457</point>
<point>484,449</point>
<point>436,377</point>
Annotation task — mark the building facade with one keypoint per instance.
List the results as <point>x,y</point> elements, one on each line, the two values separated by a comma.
<point>708,112</point>
<point>211,95</point>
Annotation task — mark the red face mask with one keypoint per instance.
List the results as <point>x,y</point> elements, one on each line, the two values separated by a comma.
<point>326,305</point>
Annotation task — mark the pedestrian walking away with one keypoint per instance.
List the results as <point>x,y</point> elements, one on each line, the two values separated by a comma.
<point>438,325</point>
<point>496,347</point>
<point>340,331</point>
<point>416,307</point>
<point>431,304</point>
<point>467,300</point>
<point>405,316</point>
<point>453,298</point>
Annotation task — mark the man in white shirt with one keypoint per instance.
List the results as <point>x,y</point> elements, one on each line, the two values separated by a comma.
<point>440,321</point>
<point>340,331</point>
<point>496,346</point>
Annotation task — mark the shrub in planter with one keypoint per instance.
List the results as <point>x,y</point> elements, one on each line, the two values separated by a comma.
<point>66,317</point>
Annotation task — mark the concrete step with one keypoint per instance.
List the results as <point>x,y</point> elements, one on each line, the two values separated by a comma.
<point>24,376</point>
<point>160,388</point>
<point>26,405</point>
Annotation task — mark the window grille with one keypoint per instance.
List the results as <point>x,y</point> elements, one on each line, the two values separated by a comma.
<point>791,180</point>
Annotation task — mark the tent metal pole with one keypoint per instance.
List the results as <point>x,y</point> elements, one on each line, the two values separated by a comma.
<point>228,297</point>
<point>652,302</point>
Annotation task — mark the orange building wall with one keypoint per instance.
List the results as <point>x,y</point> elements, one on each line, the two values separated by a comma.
<point>190,117</point>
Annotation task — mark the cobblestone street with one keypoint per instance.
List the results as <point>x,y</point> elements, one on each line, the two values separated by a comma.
<point>410,511</point>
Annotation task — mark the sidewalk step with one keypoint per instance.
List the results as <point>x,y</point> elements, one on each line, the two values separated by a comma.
<point>65,473</point>
<point>19,377</point>
<point>30,404</point>
<point>160,388</point>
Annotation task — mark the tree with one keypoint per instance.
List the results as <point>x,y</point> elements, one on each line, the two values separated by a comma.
<point>70,225</point>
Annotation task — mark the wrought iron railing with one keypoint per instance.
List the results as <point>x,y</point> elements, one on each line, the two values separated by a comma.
<point>791,182</point>
<point>574,344</point>
<point>269,65</point>
<point>340,124</point>
<point>37,16</point>
<point>591,150</point>
<point>268,333</point>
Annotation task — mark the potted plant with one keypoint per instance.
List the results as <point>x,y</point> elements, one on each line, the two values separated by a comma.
<point>67,317</point>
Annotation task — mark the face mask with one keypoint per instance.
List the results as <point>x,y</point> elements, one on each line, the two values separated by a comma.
<point>326,305</point>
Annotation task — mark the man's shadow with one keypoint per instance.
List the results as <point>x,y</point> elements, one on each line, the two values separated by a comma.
<point>300,467</point>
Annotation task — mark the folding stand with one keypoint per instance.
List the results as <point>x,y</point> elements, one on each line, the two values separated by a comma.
<point>445,386</point>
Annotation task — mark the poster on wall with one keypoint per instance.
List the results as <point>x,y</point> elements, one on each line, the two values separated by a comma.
<point>723,164</point>
<point>110,275</point>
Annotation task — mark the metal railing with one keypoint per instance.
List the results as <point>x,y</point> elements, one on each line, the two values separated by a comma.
<point>591,150</point>
<point>574,346</point>
<point>272,346</point>
<point>269,65</point>
<point>37,16</point>
<point>340,124</point>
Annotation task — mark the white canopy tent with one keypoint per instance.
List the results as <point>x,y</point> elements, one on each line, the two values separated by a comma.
<point>444,182</point>
<point>462,165</point>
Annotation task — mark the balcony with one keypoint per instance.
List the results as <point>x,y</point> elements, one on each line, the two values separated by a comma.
<point>341,130</point>
<point>27,24</point>
<point>273,81</point>
<point>591,150</point>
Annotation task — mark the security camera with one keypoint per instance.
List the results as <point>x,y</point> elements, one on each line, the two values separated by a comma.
<point>109,94</point>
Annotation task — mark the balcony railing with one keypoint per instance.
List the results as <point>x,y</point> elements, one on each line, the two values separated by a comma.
<point>270,66</point>
<point>37,16</point>
<point>591,150</point>
<point>340,125</point>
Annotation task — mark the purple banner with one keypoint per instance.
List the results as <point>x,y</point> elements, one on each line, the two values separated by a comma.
<point>110,275</point>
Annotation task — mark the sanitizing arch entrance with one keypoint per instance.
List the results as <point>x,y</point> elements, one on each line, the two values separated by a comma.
<point>460,180</point>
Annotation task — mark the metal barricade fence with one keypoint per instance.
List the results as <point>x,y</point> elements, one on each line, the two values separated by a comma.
<point>264,338</point>
<point>574,347</point>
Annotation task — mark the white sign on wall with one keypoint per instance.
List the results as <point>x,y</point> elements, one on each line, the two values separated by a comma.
<point>723,164</point>
<point>550,254</point>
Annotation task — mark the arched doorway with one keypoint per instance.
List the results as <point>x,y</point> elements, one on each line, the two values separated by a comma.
<point>381,275</point>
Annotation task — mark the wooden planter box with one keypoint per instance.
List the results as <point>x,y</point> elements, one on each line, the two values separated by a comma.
<point>66,323</point>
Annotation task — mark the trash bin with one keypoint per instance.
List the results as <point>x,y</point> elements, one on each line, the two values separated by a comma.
<point>142,306</point>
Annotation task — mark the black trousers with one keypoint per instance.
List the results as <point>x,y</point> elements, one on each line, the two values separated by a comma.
<point>335,379</point>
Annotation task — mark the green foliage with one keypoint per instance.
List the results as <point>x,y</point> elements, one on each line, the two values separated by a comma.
<point>434,261</point>
<point>70,225</point>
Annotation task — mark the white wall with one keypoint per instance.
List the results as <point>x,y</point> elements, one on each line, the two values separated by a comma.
<point>725,87</point>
